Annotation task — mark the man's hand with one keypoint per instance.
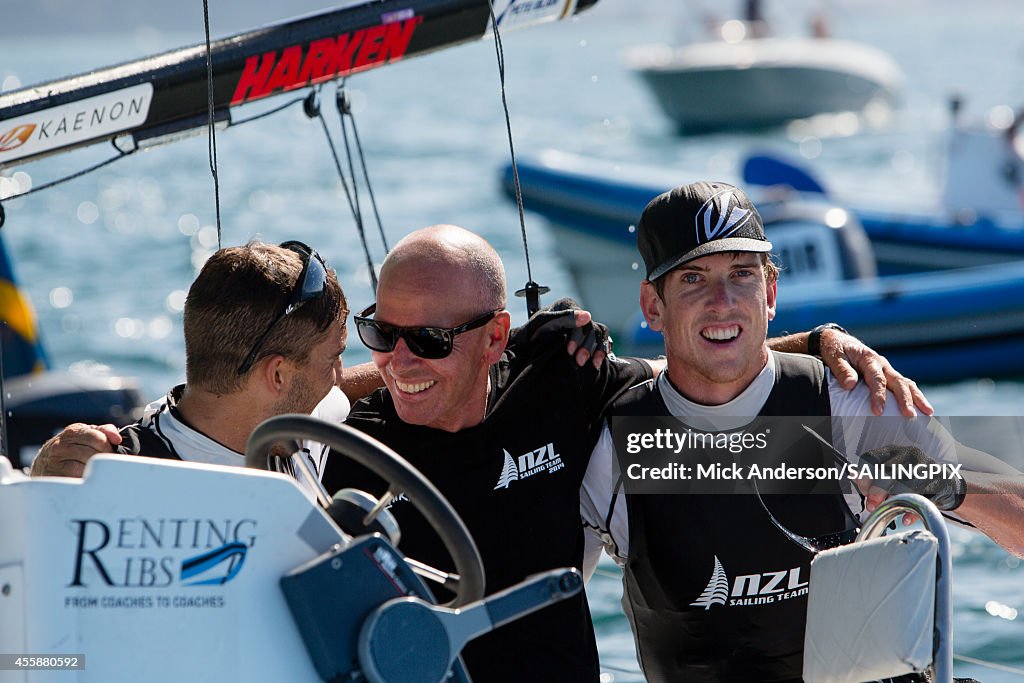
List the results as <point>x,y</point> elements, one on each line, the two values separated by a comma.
<point>65,455</point>
<point>587,340</point>
<point>845,356</point>
<point>947,493</point>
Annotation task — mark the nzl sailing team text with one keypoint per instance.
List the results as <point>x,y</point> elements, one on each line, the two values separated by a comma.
<point>738,442</point>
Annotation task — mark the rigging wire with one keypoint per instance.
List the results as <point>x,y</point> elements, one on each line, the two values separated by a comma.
<point>77,174</point>
<point>122,153</point>
<point>341,103</point>
<point>345,109</point>
<point>256,117</point>
<point>312,109</point>
<point>211,139</point>
<point>531,290</point>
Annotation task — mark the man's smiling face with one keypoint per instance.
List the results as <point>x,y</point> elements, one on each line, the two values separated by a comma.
<point>713,313</point>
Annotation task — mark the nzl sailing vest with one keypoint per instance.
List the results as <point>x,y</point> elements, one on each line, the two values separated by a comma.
<point>713,590</point>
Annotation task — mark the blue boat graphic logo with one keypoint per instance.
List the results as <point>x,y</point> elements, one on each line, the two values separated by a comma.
<point>216,567</point>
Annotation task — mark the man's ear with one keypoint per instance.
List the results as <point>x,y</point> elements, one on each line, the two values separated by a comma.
<point>772,291</point>
<point>276,374</point>
<point>497,337</point>
<point>651,305</point>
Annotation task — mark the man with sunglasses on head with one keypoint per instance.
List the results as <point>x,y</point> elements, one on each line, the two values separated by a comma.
<point>264,333</point>
<point>504,432</point>
<point>715,586</point>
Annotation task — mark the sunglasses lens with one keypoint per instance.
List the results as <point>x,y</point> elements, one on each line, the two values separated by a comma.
<point>376,336</point>
<point>428,342</point>
<point>314,284</point>
<point>425,342</point>
<point>834,540</point>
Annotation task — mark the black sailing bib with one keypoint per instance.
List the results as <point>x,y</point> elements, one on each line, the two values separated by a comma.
<point>714,591</point>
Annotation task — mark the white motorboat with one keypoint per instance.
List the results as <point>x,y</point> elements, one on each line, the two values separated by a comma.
<point>763,82</point>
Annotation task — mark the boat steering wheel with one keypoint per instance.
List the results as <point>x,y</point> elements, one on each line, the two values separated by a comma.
<point>400,476</point>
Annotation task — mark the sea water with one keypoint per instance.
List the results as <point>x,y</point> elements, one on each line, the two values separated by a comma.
<point>106,258</point>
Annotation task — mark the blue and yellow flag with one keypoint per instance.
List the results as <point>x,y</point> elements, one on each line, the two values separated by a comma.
<point>23,351</point>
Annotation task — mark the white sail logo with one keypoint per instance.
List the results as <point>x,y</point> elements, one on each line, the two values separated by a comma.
<point>730,218</point>
<point>509,472</point>
<point>767,588</point>
<point>543,459</point>
<point>717,591</point>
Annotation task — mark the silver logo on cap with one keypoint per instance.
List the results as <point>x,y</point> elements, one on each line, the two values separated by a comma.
<point>731,219</point>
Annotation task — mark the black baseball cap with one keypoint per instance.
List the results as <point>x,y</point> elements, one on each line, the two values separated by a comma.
<point>696,220</point>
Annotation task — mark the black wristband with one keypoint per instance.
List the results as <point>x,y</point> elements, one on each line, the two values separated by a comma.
<point>814,338</point>
<point>957,496</point>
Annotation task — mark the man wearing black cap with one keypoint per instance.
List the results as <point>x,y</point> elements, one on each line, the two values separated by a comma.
<point>714,589</point>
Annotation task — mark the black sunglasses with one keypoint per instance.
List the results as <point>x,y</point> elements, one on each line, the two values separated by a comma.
<point>311,285</point>
<point>815,544</point>
<point>425,342</point>
<point>812,544</point>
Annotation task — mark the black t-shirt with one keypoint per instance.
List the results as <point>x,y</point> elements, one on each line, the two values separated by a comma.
<point>514,479</point>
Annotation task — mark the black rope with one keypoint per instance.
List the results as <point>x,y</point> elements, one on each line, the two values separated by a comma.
<point>337,166</point>
<point>211,128</point>
<point>270,111</point>
<point>120,155</point>
<point>77,174</point>
<point>312,109</point>
<point>366,175</point>
<point>342,104</point>
<point>532,290</point>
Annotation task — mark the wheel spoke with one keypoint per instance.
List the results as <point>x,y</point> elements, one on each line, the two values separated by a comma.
<point>468,584</point>
<point>449,580</point>
<point>384,501</point>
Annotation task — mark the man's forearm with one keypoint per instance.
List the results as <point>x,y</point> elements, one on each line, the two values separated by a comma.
<point>359,381</point>
<point>995,505</point>
<point>791,343</point>
<point>657,365</point>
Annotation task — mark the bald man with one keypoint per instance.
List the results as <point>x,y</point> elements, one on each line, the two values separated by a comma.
<point>505,435</point>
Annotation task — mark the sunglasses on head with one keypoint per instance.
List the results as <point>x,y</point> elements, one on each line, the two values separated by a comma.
<point>311,285</point>
<point>425,342</point>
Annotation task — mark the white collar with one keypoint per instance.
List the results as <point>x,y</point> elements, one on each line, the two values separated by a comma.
<point>163,418</point>
<point>731,415</point>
